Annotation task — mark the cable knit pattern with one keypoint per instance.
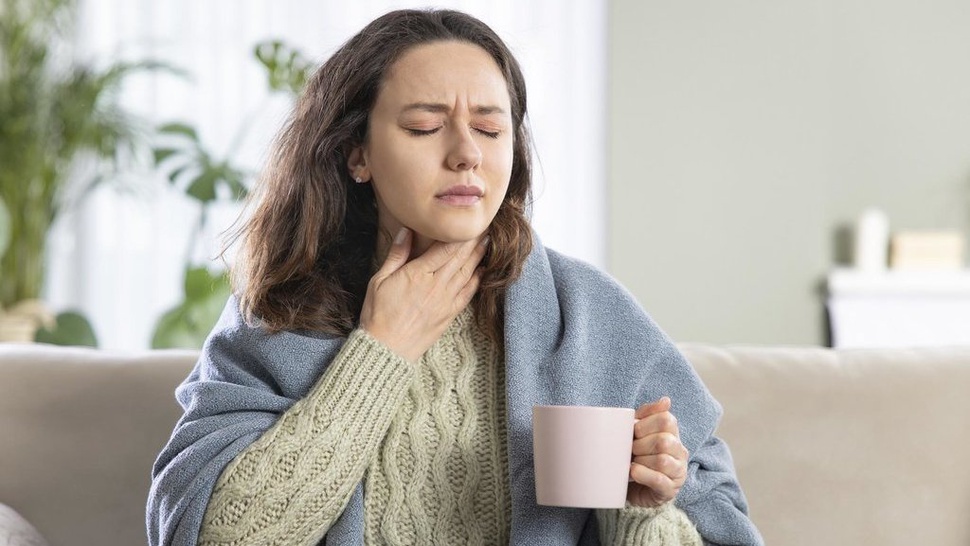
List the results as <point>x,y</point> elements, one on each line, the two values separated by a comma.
<point>429,441</point>
<point>441,474</point>
<point>291,484</point>
<point>661,526</point>
<point>572,335</point>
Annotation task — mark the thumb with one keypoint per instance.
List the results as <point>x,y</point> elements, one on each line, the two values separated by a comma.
<point>399,252</point>
<point>659,406</point>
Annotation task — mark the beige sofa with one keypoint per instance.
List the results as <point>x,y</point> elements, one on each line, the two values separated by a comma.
<point>832,447</point>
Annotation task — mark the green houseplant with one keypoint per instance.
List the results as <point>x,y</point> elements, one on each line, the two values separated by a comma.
<point>207,179</point>
<point>4,227</point>
<point>52,114</point>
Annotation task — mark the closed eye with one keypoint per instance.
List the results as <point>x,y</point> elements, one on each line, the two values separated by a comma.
<point>489,134</point>
<point>427,132</point>
<point>422,132</point>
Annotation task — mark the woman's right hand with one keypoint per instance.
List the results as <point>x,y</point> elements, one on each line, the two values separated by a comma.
<point>409,305</point>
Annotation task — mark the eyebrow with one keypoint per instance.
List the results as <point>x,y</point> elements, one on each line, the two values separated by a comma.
<point>438,108</point>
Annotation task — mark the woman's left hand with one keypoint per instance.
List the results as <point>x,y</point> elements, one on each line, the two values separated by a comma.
<point>659,466</point>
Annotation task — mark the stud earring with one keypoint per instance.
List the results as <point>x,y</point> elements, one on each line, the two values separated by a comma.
<point>358,180</point>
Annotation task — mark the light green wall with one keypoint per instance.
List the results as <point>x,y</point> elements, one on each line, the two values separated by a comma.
<point>744,134</point>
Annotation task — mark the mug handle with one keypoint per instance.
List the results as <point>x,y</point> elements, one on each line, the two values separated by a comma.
<point>630,478</point>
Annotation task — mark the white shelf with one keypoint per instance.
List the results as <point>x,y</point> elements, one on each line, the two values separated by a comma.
<point>851,282</point>
<point>899,308</point>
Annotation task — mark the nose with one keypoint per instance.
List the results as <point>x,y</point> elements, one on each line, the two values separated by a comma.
<point>465,155</point>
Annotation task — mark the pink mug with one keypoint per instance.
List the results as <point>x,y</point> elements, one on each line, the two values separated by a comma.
<point>582,455</point>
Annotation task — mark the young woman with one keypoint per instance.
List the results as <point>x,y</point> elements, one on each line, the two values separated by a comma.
<point>395,319</point>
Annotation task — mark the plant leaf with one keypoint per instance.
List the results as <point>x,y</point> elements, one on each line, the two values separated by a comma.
<point>71,329</point>
<point>234,179</point>
<point>4,227</point>
<point>203,187</point>
<point>198,284</point>
<point>188,324</point>
<point>176,128</point>
<point>204,312</point>
<point>161,154</point>
<point>172,331</point>
<point>286,68</point>
<point>174,175</point>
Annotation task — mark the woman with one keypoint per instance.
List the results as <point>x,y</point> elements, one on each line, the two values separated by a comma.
<point>395,320</point>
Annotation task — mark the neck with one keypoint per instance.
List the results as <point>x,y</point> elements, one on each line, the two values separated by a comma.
<point>419,244</point>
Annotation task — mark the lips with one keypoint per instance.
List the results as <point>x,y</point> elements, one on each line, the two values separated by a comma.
<point>461,195</point>
<point>462,190</point>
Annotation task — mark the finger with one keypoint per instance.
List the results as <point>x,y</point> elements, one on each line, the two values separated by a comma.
<point>438,255</point>
<point>458,262</point>
<point>668,465</point>
<point>657,422</point>
<point>468,268</point>
<point>398,254</point>
<point>658,482</point>
<point>654,407</point>
<point>478,254</point>
<point>467,292</point>
<point>661,442</point>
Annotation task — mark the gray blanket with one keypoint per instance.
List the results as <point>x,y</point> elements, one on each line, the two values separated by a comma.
<point>573,336</point>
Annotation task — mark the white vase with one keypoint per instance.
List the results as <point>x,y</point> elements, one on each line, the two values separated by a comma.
<point>871,241</point>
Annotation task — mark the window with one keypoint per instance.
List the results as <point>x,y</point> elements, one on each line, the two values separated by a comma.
<point>119,258</point>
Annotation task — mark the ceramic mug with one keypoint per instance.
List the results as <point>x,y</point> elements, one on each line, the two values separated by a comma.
<point>582,455</point>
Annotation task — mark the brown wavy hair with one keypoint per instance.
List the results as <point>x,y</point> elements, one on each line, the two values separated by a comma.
<point>309,245</point>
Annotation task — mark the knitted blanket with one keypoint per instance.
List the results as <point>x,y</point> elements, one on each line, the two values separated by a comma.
<point>573,336</point>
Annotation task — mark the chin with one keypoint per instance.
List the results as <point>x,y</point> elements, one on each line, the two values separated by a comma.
<point>457,235</point>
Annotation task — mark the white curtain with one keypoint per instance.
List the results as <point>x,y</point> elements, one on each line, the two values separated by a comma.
<point>119,258</point>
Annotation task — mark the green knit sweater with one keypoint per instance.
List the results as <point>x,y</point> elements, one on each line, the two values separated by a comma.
<point>429,441</point>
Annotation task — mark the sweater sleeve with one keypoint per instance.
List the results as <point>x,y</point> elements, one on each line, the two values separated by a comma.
<point>291,484</point>
<point>665,525</point>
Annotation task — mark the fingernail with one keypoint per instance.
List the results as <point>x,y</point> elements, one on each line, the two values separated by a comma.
<point>485,240</point>
<point>399,238</point>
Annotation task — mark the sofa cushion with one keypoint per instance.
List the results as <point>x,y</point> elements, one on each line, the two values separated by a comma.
<point>848,446</point>
<point>79,431</point>
<point>832,447</point>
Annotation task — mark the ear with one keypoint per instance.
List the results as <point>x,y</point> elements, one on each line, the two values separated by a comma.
<point>357,164</point>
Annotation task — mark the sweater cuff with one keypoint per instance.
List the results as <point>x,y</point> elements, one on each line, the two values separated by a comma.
<point>365,382</point>
<point>635,525</point>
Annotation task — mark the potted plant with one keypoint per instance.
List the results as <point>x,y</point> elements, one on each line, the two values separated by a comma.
<point>208,179</point>
<point>52,113</point>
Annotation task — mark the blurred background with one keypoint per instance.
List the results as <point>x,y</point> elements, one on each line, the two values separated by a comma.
<point>747,138</point>
<point>717,158</point>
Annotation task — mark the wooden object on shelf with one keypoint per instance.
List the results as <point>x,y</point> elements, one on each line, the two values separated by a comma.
<point>927,250</point>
